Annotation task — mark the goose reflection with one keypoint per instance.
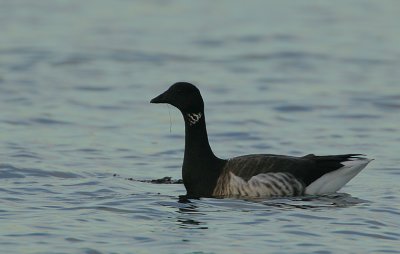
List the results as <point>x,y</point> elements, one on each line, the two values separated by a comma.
<point>320,202</point>
<point>186,215</point>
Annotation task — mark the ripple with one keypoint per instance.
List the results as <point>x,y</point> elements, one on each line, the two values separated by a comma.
<point>26,154</point>
<point>394,171</point>
<point>283,55</point>
<point>94,88</point>
<point>37,121</point>
<point>209,43</point>
<point>9,171</point>
<point>91,251</point>
<point>370,235</point>
<point>153,58</point>
<point>112,209</point>
<point>368,61</point>
<point>17,122</point>
<point>73,239</point>
<point>298,232</point>
<point>294,108</point>
<point>286,80</point>
<point>25,58</point>
<point>73,59</point>
<point>236,135</point>
<point>255,38</point>
<point>336,200</point>
<point>388,105</point>
<point>356,116</point>
<point>48,121</point>
<point>388,210</point>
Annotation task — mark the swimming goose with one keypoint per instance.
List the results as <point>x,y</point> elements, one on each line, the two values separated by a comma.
<point>255,175</point>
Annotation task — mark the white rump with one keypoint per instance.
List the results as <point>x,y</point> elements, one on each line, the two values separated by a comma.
<point>334,180</point>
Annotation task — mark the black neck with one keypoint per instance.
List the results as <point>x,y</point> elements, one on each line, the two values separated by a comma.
<point>201,168</point>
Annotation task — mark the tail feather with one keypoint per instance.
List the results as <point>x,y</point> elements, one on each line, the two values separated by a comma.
<point>338,158</point>
<point>332,181</point>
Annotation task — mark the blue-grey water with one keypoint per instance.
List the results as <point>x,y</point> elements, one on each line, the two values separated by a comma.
<point>284,77</point>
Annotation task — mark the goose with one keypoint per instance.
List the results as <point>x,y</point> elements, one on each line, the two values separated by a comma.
<point>254,175</point>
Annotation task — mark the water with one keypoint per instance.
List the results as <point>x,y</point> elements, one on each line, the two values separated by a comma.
<point>285,77</point>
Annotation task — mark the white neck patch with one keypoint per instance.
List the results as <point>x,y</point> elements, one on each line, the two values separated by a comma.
<point>193,118</point>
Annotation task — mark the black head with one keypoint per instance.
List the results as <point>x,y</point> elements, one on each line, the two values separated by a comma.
<point>184,96</point>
